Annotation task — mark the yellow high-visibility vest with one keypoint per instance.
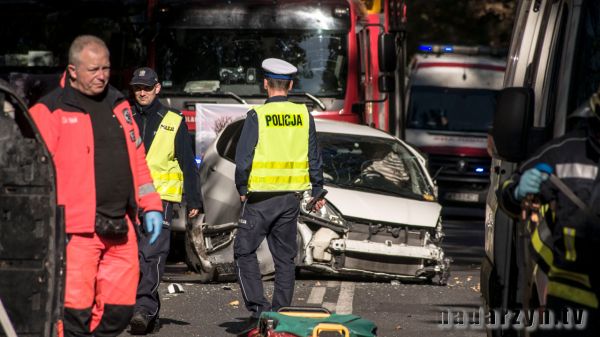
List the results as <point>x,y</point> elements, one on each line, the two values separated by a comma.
<point>280,160</point>
<point>164,168</point>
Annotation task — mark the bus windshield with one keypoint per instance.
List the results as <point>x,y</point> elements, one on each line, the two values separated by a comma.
<point>199,61</point>
<point>452,109</point>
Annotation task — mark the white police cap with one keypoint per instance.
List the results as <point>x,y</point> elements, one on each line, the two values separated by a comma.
<point>278,69</point>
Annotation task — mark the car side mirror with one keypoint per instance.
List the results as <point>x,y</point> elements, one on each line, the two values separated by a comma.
<point>386,52</point>
<point>513,119</point>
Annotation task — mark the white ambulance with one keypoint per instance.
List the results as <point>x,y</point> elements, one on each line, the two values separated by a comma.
<point>451,98</point>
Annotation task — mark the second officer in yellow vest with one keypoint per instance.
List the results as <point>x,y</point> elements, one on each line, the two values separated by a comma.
<point>173,168</point>
<point>277,158</point>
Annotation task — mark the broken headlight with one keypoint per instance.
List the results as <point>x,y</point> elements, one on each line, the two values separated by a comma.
<point>327,213</point>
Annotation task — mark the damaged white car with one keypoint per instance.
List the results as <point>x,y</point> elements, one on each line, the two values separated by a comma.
<point>381,218</point>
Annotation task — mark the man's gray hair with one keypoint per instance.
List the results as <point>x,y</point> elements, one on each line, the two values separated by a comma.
<point>278,83</point>
<point>80,43</point>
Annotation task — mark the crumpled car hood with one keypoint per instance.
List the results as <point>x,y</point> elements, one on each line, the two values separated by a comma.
<point>377,207</point>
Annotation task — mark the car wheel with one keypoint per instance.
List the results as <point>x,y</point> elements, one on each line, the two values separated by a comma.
<point>195,251</point>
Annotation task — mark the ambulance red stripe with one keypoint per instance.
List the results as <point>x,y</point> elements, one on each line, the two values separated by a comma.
<point>461,65</point>
<point>455,151</point>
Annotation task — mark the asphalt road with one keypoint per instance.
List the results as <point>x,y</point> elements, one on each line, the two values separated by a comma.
<point>398,309</point>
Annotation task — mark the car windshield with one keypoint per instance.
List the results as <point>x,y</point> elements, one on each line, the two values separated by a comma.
<point>372,164</point>
<point>453,109</point>
<point>201,61</point>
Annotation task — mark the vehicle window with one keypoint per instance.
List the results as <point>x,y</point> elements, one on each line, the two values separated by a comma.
<point>372,164</point>
<point>12,117</point>
<point>555,68</point>
<point>454,109</point>
<point>199,61</point>
<point>228,140</point>
<point>586,67</point>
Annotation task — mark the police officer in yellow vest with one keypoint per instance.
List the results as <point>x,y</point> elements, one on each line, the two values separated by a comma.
<point>277,158</point>
<point>172,164</point>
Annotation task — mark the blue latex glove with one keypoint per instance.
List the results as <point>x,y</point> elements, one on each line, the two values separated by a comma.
<point>153,221</point>
<point>530,183</point>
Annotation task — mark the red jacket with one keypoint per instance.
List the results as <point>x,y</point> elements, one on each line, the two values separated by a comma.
<point>67,131</point>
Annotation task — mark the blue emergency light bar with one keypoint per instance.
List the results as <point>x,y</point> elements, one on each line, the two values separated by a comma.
<point>465,50</point>
<point>479,170</point>
<point>426,48</point>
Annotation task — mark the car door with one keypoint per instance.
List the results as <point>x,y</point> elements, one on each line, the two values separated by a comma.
<point>32,239</point>
<point>222,201</point>
<point>217,174</point>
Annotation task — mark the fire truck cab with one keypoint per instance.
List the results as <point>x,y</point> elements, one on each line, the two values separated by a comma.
<point>451,97</point>
<point>208,51</point>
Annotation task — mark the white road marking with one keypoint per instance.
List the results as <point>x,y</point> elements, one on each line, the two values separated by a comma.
<point>344,303</point>
<point>333,284</point>
<point>316,295</point>
<point>329,306</point>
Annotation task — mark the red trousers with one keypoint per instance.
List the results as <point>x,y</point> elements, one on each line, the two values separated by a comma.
<point>101,282</point>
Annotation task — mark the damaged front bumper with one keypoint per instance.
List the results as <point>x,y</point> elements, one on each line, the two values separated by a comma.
<point>409,254</point>
<point>329,244</point>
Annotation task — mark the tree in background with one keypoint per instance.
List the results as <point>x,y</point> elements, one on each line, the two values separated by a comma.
<point>466,22</point>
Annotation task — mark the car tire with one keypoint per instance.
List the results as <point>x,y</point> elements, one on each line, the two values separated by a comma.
<point>195,253</point>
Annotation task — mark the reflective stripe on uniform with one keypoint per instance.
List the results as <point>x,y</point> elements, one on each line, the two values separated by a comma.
<point>280,165</point>
<point>541,240</point>
<point>572,294</point>
<point>146,189</point>
<point>506,183</point>
<point>582,279</point>
<point>279,180</point>
<point>569,238</point>
<point>167,176</point>
<point>576,170</point>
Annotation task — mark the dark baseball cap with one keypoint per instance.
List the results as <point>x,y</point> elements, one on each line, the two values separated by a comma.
<point>144,76</point>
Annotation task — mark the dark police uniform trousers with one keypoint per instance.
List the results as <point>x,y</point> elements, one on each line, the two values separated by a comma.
<point>152,264</point>
<point>274,216</point>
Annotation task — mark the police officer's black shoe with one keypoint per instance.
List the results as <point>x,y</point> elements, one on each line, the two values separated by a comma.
<point>249,324</point>
<point>142,323</point>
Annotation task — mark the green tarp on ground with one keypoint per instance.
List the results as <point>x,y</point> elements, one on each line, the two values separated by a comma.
<point>303,326</point>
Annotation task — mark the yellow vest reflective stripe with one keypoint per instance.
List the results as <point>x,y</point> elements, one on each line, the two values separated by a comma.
<point>569,241</point>
<point>565,284</point>
<point>572,294</point>
<point>164,168</point>
<point>280,160</point>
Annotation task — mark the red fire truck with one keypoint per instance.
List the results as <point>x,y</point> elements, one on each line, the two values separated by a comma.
<point>210,51</point>
<point>350,53</point>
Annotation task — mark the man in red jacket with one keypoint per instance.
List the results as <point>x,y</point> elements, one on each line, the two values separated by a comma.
<point>102,179</point>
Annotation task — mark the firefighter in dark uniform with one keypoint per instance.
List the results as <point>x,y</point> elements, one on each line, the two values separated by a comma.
<point>277,159</point>
<point>173,168</point>
<point>564,244</point>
